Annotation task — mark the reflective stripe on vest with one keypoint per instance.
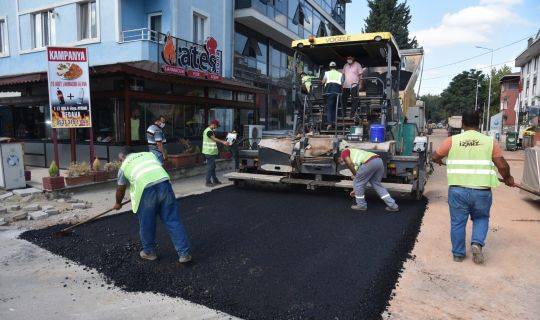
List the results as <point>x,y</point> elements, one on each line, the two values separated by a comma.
<point>141,169</point>
<point>333,76</point>
<point>209,145</point>
<point>470,161</point>
<point>359,157</point>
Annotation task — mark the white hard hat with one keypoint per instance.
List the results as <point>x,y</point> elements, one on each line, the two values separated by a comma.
<point>332,64</point>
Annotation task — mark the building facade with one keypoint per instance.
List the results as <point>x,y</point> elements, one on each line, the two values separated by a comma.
<point>529,62</point>
<point>264,31</point>
<point>509,97</point>
<point>129,86</point>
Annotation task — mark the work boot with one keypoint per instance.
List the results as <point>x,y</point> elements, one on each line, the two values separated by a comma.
<point>358,208</point>
<point>217,182</point>
<point>148,256</point>
<point>478,255</point>
<point>184,259</point>
<point>390,209</point>
<point>209,184</point>
<point>459,258</point>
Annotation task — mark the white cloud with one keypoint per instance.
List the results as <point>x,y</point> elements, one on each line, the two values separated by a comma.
<point>470,25</point>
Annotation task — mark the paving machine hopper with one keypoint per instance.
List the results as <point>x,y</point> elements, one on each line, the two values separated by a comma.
<point>305,156</point>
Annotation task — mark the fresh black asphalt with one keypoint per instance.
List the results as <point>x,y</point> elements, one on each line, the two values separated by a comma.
<point>260,253</point>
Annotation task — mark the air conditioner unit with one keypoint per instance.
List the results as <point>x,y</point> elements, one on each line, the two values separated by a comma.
<point>253,133</point>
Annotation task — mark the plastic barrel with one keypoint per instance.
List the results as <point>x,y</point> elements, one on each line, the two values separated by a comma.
<point>376,133</point>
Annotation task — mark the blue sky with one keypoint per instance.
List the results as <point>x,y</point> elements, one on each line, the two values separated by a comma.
<point>449,30</point>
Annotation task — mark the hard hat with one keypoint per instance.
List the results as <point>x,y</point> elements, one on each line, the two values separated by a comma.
<point>332,64</point>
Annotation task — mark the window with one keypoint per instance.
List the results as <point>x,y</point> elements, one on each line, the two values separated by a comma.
<point>299,15</point>
<point>3,38</point>
<point>199,28</point>
<point>154,25</point>
<point>87,20</point>
<point>322,31</point>
<point>42,29</point>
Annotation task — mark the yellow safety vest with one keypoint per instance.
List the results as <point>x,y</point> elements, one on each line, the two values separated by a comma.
<point>470,162</point>
<point>141,169</point>
<point>209,146</point>
<point>333,76</point>
<point>359,157</point>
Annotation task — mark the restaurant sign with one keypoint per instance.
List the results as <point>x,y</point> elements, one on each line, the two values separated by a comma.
<point>181,57</point>
<point>69,87</point>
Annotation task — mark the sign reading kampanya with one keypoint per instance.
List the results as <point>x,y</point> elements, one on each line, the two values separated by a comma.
<point>69,87</point>
<point>182,57</point>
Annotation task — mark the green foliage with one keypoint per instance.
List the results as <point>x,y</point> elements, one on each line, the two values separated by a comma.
<point>197,150</point>
<point>96,165</point>
<point>78,169</point>
<point>389,16</point>
<point>53,169</point>
<point>112,166</point>
<point>434,111</point>
<point>496,87</point>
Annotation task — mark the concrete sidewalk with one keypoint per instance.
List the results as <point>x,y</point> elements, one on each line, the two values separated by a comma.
<point>507,286</point>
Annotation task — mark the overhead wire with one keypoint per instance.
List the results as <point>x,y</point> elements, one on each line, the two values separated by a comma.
<point>479,55</point>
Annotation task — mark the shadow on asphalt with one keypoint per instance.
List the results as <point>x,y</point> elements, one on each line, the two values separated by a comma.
<point>260,253</point>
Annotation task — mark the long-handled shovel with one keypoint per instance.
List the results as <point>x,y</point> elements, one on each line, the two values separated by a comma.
<point>67,231</point>
<point>524,188</point>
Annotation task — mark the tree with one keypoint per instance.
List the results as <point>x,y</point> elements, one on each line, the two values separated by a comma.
<point>460,95</point>
<point>497,75</point>
<point>388,15</point>
<point>434,110</point>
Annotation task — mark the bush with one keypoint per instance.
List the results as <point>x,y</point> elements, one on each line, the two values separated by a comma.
<point>96,165</point>
<point>78,169</point>
<point>112,166</point>
<point>53,169</point>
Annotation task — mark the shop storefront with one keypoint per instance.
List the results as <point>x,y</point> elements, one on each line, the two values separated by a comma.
<point>126,99</point>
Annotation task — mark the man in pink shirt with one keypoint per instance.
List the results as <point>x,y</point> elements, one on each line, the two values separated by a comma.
<point>352,72</point>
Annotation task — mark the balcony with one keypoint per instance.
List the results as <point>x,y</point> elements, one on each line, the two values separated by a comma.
<point>141,34</point>
<point>267,20</point>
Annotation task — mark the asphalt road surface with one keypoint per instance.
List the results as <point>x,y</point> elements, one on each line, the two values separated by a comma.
<point>260,253</point>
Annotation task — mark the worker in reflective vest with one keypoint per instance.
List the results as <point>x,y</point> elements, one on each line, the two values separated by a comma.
<point>471,163</point>
<point>366,167</point>
<point>210,152</point>
<point>151,196</point>
<point>332,82</point>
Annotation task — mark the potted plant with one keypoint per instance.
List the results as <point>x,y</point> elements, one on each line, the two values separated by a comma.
<point>54,181</point>
<point>197,151</point>
<point>225,153</point>
<point>188,158</point>
<point>79,173</point>
<point>99,175</point>
<point>112,169</point>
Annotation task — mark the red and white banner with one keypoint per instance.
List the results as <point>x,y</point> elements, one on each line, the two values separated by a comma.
<point>69,87</point>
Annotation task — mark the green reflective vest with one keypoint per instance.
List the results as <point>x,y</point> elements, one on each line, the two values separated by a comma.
<point>469,161</point>
<point>306,82</point>
<point>359,157</point>
<point>141,169</point>
<point>333,76</point>
<point>209,146</point>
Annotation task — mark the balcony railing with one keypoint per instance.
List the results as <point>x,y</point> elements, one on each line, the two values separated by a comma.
<point>142,34</point>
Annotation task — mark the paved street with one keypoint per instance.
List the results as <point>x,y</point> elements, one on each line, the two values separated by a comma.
<point>35,282</point>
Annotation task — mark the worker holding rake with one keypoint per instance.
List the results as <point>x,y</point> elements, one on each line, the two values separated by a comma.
<point>151,196</point>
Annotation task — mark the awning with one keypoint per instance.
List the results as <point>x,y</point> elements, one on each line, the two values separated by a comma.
<point>143,69</point>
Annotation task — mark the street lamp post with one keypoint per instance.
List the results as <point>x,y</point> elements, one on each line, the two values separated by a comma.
<point>476,99</point>
<point>489,90</point>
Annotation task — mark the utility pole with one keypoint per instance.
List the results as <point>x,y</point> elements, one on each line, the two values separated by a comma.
<point>476,99</point>
<point>490,80</point>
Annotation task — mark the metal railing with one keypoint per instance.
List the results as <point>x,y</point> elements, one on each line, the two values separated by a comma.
<point>142,34</point>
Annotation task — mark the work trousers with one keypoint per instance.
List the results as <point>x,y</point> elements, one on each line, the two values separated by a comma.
<point>465,202</point>
<point>211,168</point>
<point>159,200</point>
<point>372,172</point>
<point>347,92</point>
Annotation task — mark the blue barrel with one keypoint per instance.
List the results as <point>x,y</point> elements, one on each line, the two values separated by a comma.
<point>376,133</point>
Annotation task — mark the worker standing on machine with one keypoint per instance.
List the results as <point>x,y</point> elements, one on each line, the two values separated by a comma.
<point>210,152</point>
<point>352,82</point>
<point>151,196</point>
<point>332,82</point>
<point>472,158</point>
<point>366,167</point>
<point>156,139</point>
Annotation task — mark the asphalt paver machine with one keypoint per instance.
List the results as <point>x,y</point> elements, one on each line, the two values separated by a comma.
<point>305,155</point>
